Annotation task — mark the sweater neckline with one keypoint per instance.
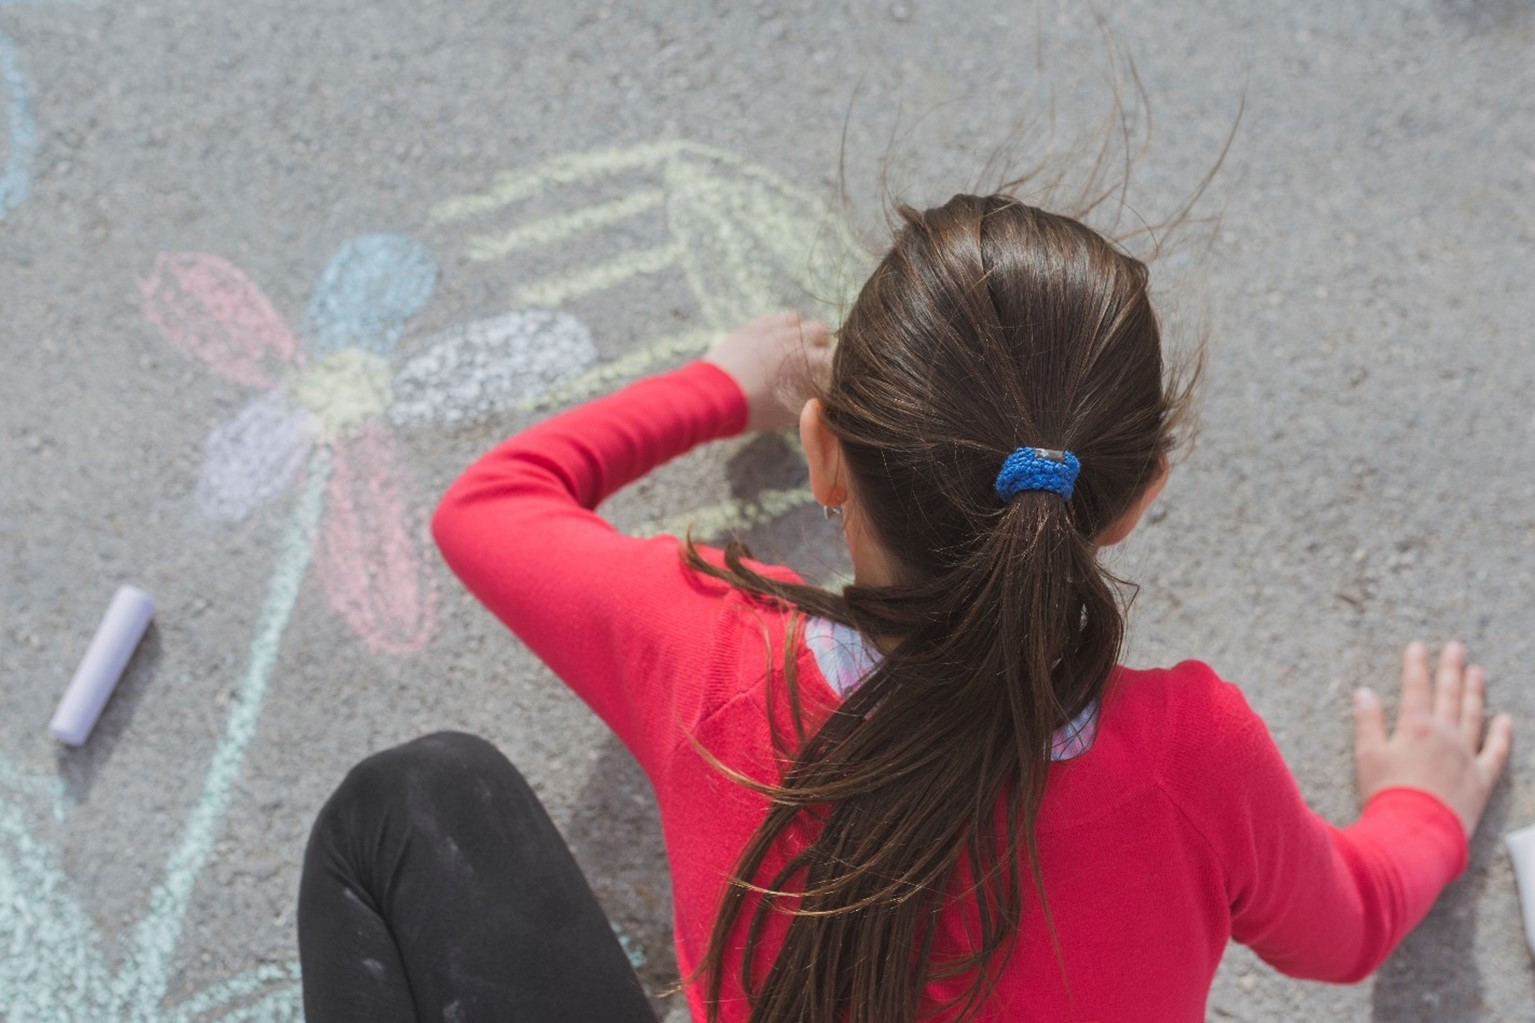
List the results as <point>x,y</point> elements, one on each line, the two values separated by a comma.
<point>845,659</point>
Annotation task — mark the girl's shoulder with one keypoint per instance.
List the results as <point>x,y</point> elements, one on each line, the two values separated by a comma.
<point>1187,689</point>
<point>1186,718</point>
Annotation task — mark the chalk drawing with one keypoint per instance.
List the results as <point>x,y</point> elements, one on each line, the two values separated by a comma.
<point>370,290</point>
<point>368,558</point>
<point>326,392</point>
<point>21,150</point>
<point>744,240</point>
<point>337,389</point>
<point>206,307</point>
<point>561,228</point>
<point>252,457</point>
<point>719,519</point>
<point>509,362</point>
<point>21,138</point>
<point>634,951</point>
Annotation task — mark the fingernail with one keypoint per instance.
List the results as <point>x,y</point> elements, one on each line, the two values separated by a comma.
<point>1417,649</point>
<point>1364,699</point>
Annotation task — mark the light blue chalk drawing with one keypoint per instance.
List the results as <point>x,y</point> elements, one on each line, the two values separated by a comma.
<point>368,293</point>
<point>633,950</point>
<point>21,149</point>
<point>16,178</point>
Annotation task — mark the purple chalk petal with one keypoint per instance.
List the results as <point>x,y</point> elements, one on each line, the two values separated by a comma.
<point>253,457</point>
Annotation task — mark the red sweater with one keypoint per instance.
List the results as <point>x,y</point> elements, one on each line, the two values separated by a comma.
<point>1178,829</point>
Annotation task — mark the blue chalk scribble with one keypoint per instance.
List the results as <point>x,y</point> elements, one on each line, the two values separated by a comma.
<point>21,139</point>
<point>16,177</point>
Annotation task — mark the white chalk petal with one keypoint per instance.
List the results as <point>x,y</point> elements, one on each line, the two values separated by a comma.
<point>489,366</point>
<point>253,457</point>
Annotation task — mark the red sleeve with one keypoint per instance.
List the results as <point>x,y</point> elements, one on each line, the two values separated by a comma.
<point>1311,899</point>
<point>619,619</point>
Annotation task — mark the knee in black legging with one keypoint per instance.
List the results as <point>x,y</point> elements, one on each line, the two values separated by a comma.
<point>418,775</point>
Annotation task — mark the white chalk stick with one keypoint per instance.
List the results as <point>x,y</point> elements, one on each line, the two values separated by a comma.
<point>1521,849</point>
<point>103,664</point>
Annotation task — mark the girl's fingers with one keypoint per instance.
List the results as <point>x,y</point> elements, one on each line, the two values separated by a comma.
<point>1449,686</point>
<point>1416,696</point>
<point>1494,755</point>
<point>1369,722</point>
<point>815,351</point>
<point>1471,706</point>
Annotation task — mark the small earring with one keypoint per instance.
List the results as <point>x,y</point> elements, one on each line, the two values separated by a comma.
<point>831,509</point>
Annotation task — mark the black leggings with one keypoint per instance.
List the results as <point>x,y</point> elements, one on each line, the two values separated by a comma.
<point>435,887</point>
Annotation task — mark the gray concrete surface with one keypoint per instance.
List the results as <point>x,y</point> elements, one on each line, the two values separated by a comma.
<point>1364,473</point>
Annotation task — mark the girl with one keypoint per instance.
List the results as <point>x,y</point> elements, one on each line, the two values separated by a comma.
<point>934,795</point>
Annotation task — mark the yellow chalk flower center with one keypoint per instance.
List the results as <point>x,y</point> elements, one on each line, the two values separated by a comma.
<point>342,391</point>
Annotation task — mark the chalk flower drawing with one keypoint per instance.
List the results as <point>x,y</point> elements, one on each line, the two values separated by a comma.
<point>336,393</point>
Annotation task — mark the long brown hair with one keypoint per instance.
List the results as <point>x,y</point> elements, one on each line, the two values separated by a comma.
<point>989,325</point>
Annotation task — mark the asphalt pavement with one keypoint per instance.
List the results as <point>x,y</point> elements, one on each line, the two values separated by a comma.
<point>273,273</point>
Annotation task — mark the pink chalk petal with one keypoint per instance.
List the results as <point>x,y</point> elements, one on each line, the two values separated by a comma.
<point>368,556</point>
<point>209,309</point>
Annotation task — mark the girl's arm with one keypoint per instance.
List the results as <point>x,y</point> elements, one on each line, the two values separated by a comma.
<point>619,619</point>
<point>1327,903</point>
<point>1312,899</point>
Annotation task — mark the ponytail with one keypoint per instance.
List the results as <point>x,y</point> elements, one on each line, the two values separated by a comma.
<point>990,325</point>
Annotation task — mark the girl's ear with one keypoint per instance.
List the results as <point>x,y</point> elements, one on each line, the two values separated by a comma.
<point>824,455</point>
<point>1126,523</point>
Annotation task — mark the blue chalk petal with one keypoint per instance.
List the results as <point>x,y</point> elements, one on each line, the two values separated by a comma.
<point>373,286</point>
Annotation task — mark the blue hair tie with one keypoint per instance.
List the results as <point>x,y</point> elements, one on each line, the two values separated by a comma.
<point>1038,469</point>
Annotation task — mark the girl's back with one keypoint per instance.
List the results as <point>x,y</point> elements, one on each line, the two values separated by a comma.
<point>1175,827</point>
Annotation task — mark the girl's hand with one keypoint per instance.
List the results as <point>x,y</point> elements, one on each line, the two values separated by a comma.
<point>1438,744</point>
<point>770,359</point>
